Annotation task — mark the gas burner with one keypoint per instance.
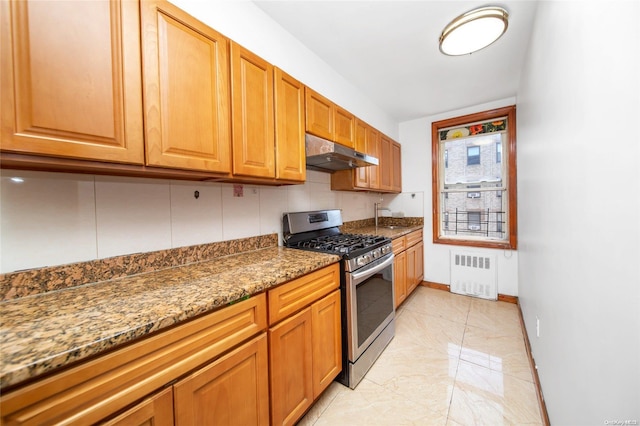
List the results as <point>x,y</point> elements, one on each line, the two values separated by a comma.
<point>341,243</point>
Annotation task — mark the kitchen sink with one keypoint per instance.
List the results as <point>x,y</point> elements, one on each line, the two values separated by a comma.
<point>393,227</point>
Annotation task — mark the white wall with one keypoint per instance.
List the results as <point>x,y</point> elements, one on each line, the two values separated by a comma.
<point>579,215</point>
<point>415,136</point>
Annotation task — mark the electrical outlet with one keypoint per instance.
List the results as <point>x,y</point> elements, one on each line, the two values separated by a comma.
<point>537,326</point>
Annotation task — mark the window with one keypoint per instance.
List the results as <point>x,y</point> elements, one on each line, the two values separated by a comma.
<point>467,153</point>
<point>473,155</point>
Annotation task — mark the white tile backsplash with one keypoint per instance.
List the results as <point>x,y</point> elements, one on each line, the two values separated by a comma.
<point>133,215</point>
<point>48,219</point>
<point>94,217</point>
<point>195,220</point>
<point>240,215</point>
<point>273,203</point>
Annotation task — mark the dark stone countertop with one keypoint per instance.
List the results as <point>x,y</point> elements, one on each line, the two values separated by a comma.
<point>44,332</point>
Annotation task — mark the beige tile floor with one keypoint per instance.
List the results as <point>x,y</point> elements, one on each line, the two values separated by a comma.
<point>454,360</point>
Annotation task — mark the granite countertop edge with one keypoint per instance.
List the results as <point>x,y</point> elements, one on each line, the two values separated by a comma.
<point>46,332</point>
<point>383,231</point>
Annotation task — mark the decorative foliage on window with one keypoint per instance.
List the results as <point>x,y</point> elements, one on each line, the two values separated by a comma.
<point>474,129</point>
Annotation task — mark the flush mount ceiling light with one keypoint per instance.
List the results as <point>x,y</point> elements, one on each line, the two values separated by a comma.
<point>473,30</point>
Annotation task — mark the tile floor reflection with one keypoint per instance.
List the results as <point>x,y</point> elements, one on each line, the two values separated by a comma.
<point>454,360</point>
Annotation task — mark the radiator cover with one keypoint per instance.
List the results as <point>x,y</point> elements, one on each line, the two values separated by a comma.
<point>474,275</point>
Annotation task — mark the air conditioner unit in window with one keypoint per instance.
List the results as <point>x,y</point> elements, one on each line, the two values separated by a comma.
<point>474,227</point>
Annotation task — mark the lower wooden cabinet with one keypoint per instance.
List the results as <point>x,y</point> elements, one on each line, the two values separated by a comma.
<point>408,264</point>
<point>157,410</point>
<point>232,390</point>
<point>400,277</point>
<point>326,342</point>
<point>290,356</point>
<point>101,387</point>
<point>305,347</point>
<point>224,368</point>
<point>305,355</point>
<point>415,260</point>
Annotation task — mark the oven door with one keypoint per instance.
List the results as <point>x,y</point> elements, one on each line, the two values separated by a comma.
<point>370,303</point>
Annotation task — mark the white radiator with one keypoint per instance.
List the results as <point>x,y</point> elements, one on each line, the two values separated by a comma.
<point>474,275</point>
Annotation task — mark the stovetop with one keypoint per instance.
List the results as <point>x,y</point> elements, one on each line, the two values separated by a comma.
<point>345,244</point>
<point>319,231</point>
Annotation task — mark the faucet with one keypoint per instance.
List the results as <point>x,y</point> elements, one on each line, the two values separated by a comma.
<point>376,209</point>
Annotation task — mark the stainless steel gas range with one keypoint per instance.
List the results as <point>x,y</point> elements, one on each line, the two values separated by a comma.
<point>367,288</point>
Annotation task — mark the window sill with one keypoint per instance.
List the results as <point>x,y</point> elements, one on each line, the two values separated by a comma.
<point>505,245</point>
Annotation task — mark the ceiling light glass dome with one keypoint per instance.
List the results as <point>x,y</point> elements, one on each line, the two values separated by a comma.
<point>473,31</point>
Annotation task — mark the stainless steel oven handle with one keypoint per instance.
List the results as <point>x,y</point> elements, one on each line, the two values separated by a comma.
<point>366,272</point>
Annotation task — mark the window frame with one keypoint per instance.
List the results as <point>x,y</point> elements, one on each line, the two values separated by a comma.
<point>512,184</point>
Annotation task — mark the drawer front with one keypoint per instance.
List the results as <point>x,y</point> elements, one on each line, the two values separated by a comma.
<point>399,244</point>
<point>414,238</point>
<point>289,298</point>
<point>95,389</point>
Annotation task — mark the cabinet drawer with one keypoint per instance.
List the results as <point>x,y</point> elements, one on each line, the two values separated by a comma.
<point>414,238</point>
<point>399,244</point>
<point>97,388</point>
<point>299,293</point>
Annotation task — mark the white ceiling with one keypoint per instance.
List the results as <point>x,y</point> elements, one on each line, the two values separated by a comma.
<point>389,50</point>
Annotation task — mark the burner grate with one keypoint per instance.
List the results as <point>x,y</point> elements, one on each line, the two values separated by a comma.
<point>341,243</point>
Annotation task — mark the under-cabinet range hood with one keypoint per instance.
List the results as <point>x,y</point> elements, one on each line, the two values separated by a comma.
<point>326,156</point>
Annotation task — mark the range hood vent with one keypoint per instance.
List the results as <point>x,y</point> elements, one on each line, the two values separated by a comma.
<point>326,156</point>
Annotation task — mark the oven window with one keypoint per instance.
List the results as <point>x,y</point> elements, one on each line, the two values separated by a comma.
<point>375,303</point>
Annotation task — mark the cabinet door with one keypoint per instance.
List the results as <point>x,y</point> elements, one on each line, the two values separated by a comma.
<point>186,93</point>
<point>156,410</point>
<point>71,79</point>
<point>233,390</point>
<point>400,277</point>
<point>414,266</point>
<point>373,149</point>
<point>319,114</point>
<point>290,358</point>
<point>361,174</point>
<point>396,167</point>
<point>327,341</point>
<point>289,119</point>
<point>344,127</point>
<point>252,114</point>
<point>386,163</point>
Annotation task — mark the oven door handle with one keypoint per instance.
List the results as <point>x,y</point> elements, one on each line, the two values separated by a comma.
<point>358,276</point>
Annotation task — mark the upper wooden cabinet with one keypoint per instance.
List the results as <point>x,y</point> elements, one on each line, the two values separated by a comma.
<point>361,174</point>
<point>186,90</point>
<point>344,127</point>
<point>373,147</point>
<point>327,120</point>
<point>289,118</point>
<point>319,114</point>
<point>386,163</point>
<point>386,177</point>
<point>396,167</point>
<point>71,79</point>
<point>252,114</point>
